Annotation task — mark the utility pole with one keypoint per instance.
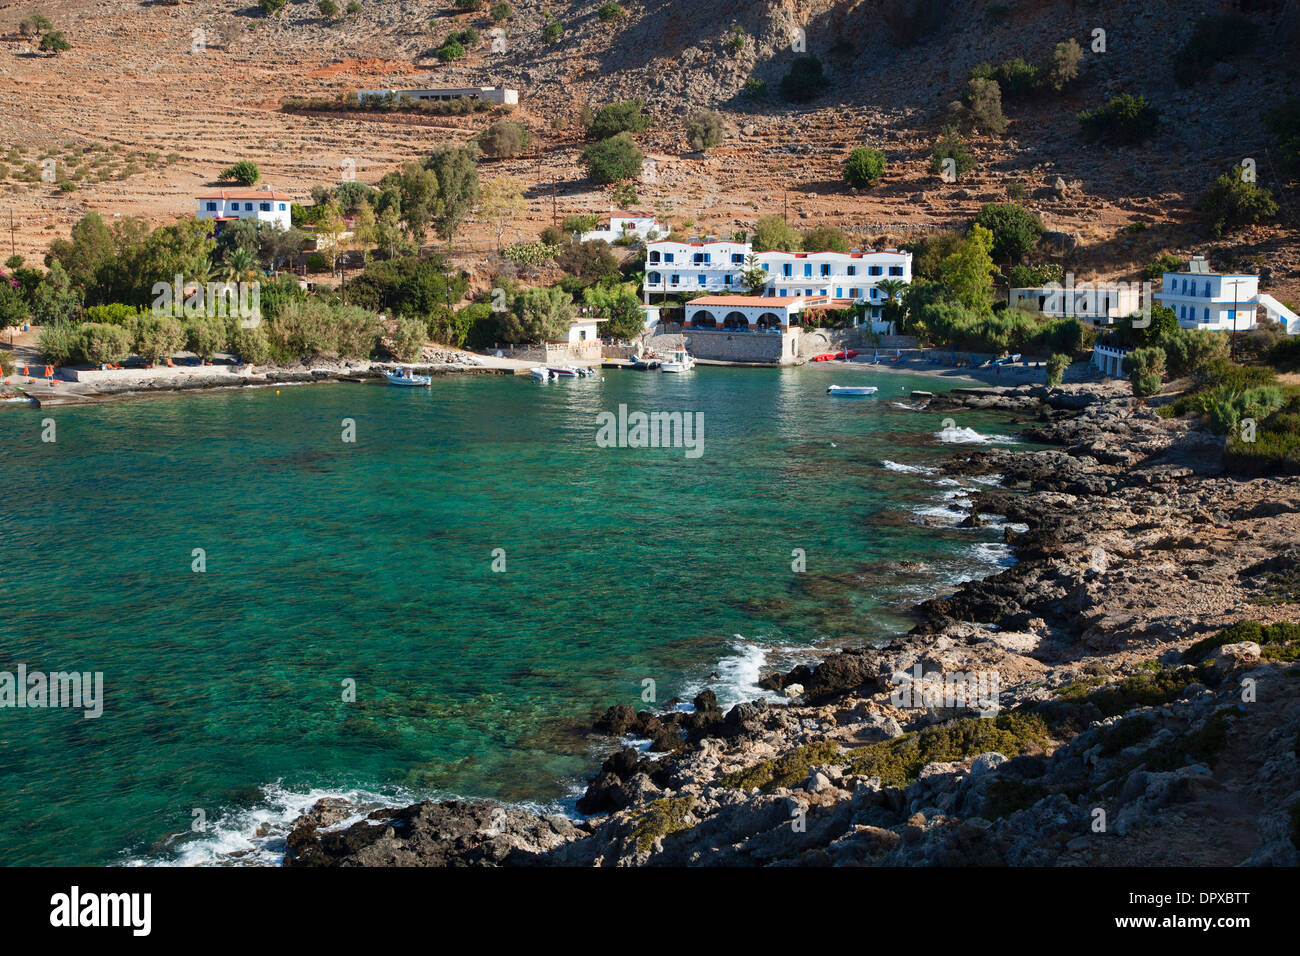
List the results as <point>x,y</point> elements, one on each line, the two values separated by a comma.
<point>1234,283</point>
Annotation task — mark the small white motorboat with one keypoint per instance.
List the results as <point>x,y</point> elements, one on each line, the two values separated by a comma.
<point>540,373</point>
<point>851,390</point>
<point>404,376</point>
<point>680,361</point>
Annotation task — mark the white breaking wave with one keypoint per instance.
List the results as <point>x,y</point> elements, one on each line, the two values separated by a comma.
<point>969,436</point>
<point>907,469</point>
<point>254,836</point>
<point>738,675</point>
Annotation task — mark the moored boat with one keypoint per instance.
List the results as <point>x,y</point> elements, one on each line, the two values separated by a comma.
<point>680,361</point>
<point>851,390</point>
<point>404,376</point>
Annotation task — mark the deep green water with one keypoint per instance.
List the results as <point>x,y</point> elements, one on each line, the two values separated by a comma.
<point>372,562</point>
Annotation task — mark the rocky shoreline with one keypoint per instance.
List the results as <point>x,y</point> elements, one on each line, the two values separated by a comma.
<point>1138,721</point>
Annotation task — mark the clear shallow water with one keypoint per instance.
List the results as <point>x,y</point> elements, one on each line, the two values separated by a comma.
<point>372,562</point>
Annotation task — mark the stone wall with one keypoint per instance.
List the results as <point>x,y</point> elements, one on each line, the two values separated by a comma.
<point>725,345</point>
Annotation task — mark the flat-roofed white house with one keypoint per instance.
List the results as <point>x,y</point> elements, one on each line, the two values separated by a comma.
<point>1099,303</point>
<point>694,266</point>
<point>1202,299</point>
<point>493,94</point>
<point>583,329</point>
<point>850,277</point>
<point>629,225</point>
<point>261,203</point>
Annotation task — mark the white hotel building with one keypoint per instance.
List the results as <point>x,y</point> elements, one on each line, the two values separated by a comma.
<point>1220,301</point>
<point>843,278</point>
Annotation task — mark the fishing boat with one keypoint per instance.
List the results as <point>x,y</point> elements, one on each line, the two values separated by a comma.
<point>404,376</point>
<point>539,373</point>
<point>851,390</point>
<point>681,361</point>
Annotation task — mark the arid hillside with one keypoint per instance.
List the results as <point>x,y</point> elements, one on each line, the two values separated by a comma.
<point>173,94</point>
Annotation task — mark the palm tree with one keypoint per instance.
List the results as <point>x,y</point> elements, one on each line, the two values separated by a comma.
<point>893,290</point>
<point>240,266</point>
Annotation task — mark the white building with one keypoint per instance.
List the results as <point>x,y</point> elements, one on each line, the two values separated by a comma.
<point>848,277</point>
<point>1099,303</point>
<point>695,266</point>
<point>261,203</point>
<point>583,329</point>
<point>493,94</point>
<point>629,225</point>
<point>1202,299</point>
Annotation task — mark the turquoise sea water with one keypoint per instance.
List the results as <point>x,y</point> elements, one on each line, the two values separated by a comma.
<point>372,562</point>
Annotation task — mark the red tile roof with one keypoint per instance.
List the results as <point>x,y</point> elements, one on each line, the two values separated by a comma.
<point>246,194</point>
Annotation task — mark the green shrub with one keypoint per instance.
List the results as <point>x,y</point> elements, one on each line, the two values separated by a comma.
<point>951,146</point>
<point>1015,229</point>
<point>983,107</point>
<point>805,80</point>
<point>408,339</point>
<point>705,129</point>
<point>785,771</point>
<point>1166,263</point>
<point>1213,39</point>
<point>451,50</point>
<point>627,116</point>
<point>864,167</point>
<point>1285,355</point>
<point>98,344</point>
<point>503,139</point>
<point>1125,119</point>
<point>1016,78</point>
<point>1283,121</point>
<point>251,345</point>
<point>244,172</point>
<point>1231,202</point>
<point>58,343</point>
<point>900,760</point>
<point>1064,70</point>
<point>54,42</point>
<point>1056,367</point>
<point>613,159</point>
<point>1145,368</point>
<point>659,819</point>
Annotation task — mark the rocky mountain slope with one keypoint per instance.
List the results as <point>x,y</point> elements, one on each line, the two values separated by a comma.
<point>141,77</point>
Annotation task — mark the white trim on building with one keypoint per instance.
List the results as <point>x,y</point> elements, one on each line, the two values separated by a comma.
<point>263,204</point>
